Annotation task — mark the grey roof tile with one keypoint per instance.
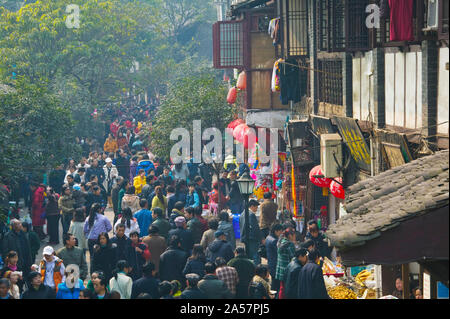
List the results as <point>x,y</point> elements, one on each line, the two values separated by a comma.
<point>382,202</point>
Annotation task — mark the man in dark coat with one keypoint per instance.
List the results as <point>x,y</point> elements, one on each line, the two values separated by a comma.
<point>254,236</point>
<point>212,286</point>
<point>147,284</point>
<point>319,239</point>
<point>96,170</point>
<point>272,253</point>
<point>311,284</point>
<point>235,199</point>
<point>192,291</point>
<point>125,250</point>
<point>292,273</point>
<point>115,195</point>
<point>17,241</point>
<point>194,224</point>
<point>185,235</point>
<point>245,269</point>
<point>123,164</point>
<point>37,289</point>
<point>172,261</point>
<point>219,248</point>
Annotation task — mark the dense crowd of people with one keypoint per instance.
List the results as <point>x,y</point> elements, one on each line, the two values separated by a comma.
<point>177,232</point>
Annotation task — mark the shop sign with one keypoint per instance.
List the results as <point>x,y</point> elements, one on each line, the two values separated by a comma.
<point>353,138</point>
<point>426,286</point>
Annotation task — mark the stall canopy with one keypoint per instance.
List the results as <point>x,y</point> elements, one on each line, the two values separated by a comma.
<point>397,217</point>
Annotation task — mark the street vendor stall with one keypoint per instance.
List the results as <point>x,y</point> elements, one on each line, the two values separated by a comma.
<point>398,217</point>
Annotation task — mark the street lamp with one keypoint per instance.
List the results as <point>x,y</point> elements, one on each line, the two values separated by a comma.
<point>246,185</point>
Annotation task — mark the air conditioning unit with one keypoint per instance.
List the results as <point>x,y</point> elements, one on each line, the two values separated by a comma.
<point>432,15</point>
<point>331,156</point>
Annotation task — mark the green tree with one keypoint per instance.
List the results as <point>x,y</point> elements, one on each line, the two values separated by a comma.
<point>36,133</point>
<point>196,97</point>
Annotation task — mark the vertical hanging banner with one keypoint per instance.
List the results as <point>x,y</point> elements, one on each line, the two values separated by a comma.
<point>294,192</point>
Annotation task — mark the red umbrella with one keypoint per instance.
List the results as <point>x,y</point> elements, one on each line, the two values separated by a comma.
<point>321,182</point>
<point>337,189</point>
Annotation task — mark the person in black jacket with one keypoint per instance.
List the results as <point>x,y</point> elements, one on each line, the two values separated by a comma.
<point>292,273</point>
<point>105,257</point>
<point>16,240</point>
<point>219,248</point>
<point>95,169</point>
<point>36,289</point>
<point>254,235</point>
<point>311,284</point>
<point>196,263</point>
<point>147,284</point>
<point>192,291</point>
<point>125,250</point>
<point>172,261</point>
<point>185,235</point>
<point>319,239</point>
<point>272,253</point>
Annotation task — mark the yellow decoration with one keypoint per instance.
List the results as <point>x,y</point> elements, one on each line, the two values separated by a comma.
<point>325,191</point>
<point>341,292</point>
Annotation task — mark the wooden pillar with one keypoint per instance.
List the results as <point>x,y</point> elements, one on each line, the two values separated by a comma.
<point>405,278</point>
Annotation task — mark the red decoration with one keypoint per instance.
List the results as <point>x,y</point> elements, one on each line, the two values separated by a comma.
<point>238,132</point>
<point>232,95</point>
<point>235,123</point>
<point>337,189</point>
<point>242,81</point>
<point>321,182</point>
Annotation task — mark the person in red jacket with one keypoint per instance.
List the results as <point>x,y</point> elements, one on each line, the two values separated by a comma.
<point>37,209</point>
<point>141,255</point>
<point>114,127</point>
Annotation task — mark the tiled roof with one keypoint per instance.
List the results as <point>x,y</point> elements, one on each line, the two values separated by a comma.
<point>382,202</point>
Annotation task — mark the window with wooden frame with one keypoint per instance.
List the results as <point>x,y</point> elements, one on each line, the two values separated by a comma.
<point>418,24</point>
<point>443,19</point>
<point>294,26</point>
<point>341,25</point>
<point>330,81</point>
<point>230,44</point>
<point>331,28</point>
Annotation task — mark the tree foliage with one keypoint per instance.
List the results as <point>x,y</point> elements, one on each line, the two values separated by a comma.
<point>196,97</point>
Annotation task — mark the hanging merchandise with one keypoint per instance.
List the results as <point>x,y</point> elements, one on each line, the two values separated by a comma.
<point>275,84</point>
<point>321,182</point>
<point>294,191</point>
<point>401,22</point>
<point>274,30</point>
<point>337,189</point>
<point>242,81</point>
<point>232,95</point>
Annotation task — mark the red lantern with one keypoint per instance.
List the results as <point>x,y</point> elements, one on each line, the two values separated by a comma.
<point>250,138</point>
<point>242,81</point>
<point>337,189</point>
<point>235,123</point>
<point>232,95</point>
<point>238,132</point>
<point>321,182</point>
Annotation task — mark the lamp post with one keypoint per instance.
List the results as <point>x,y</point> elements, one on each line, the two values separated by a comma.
<point>246,185</point>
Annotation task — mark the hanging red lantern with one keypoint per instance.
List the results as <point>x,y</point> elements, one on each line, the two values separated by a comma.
<point>235,123</point>
<point>232,95</point>
<point>321,182</point>
<point>250,138</point>
<point>242,81</point>
<point>337,189</point>
<point>239,132</point>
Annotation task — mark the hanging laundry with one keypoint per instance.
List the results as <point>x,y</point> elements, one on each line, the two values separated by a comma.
<point>292,81</point>
<point>384,9</point>
<point>274,30</point>
<point>401,22</point>
<point>275,84</point>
